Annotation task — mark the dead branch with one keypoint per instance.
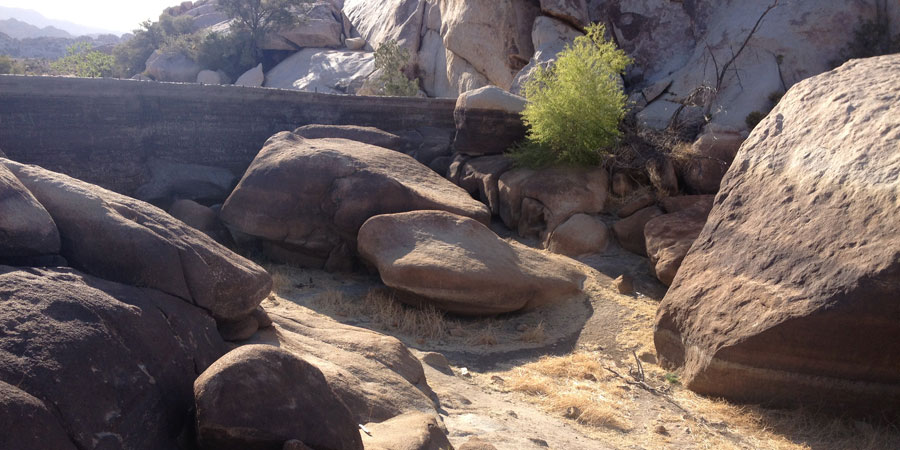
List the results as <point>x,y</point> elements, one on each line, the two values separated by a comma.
<point>721,74</point>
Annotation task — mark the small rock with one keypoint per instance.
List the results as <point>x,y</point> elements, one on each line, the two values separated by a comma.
<point>572,413</point>
<point>590,377</point>
<point>438,361</point>
<point>661,430</point>
<point>457,332</point>
<point>624,284</point>
<point>464,372</point>
<point>355,43</point>
<point>539,442</point>
<point>476,444</point>
<point>497,380</point>
<point>512,414</point>
<point>648,357</point>
<point>521,328</point>
<point>238,330</point>
<point>262,318</point>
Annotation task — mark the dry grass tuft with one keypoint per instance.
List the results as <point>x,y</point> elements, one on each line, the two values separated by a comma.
<point>587,409</point>
<point>281,279</point>
<point>535,334</point>
<point>426,322</point>
<point>485,336</point>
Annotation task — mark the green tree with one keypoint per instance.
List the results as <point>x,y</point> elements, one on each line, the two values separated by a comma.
<point>257,18</point>
<point>390,60</point>
<point>82,60</point>
<point>10,66</point>
<point>575,105</point>
<point>131,55</point>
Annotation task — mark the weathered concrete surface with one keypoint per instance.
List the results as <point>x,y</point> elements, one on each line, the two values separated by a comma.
<point>103,131</point>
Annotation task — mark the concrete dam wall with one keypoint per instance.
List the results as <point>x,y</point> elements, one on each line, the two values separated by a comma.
<point>107,131</point>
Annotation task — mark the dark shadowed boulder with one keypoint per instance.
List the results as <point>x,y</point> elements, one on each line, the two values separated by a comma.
<point>306,198</point>
<point>630,230</point>
<point>791,293</point>
<point>115,364</point>
<point>480,176</point>
<point>366,135</point>
<point>202,218</point>
<point>170,181</point>
<point>129,241</point>
<point>257,397</point>
<point>459,265</point>
<point>28,424</point>
<point>26,229</point>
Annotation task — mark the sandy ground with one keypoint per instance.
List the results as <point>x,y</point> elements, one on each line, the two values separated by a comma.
<point>513,375</point>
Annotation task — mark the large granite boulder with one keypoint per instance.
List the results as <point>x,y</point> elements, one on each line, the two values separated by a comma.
<point>374,375</point>
<point>172,65</point>
<point>322,27</point>
<point>479,177</point>
<point>257,397</point>
<point>324,71</point>
<point>26,229</point>
<point>492,37</point>
<point>536,202</point>
<point>790,293</point>
<point>630,230</point>
<point>574,12</point>
<point>306,198</point>
<point>378,21</point>
<point>488,121</point>
<point>669,237</point>
<point>580,235</point>
<point>252,78</point>
<point>410,431</point>
<point>126,240</point>
<point>114,364</point>
<point>459,265</point>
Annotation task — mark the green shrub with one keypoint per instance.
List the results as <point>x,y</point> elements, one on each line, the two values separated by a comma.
<point>390,59</point>
<point>131,55</point>
<point>10,66</point>
<point>575,106</point>
<point>230,52</point>
<point>82,60</point>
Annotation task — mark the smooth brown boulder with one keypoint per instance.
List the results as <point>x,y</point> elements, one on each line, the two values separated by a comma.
<point>374,375</point>
<point>201,218</point>
<point>410,431</point>
<point>536,202</point>
<point>702,175</point>
<point>114,363</point>
<point>26,229</point>
<point>28,424</point>
<point>681,202</point>
<point>306,198</point>
<point>630,230</point>
<point>257,397</point>
<point>790,293</point>
<point>580,235</point>
<point>366,135</point>
<point>125,240</point>
<point>670,236</point>
<point>459,265</point>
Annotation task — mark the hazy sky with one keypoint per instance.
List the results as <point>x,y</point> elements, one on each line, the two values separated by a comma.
<point>114,15</point>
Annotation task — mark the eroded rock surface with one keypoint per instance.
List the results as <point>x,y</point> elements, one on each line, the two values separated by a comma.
<point>790,293</point>
<point>26,229</point>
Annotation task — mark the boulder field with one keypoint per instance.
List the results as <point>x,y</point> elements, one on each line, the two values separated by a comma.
<point>790,293</point>
<point>305,199</point>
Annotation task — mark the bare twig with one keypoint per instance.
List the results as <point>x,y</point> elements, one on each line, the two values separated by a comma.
<point>640,366</point>
<point>721,74</point>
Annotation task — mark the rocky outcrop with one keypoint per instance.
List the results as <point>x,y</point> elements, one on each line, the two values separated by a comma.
<point>488,121</point>
<point>535,202</point>
<point>260,396</point>
<point>630,230</point>
<point>549,36</point>
<point>125,240</point>
<point>574,12</point>
<point>306,198</point>
<point>303,71</point>
<point>113,363</point>
<point>686,45</point>
<point>479,177</point>
<point>669,237</point>
<point>321,27</point>
<point>26,229</point>
<point>381,20</point>
<point>202,218</point>
<point>790,292</point>
<point>172,65</point>
<point>459,265</point>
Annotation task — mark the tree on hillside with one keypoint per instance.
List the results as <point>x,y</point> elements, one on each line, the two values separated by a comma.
<point>258,18</point>
<point>82,60</point>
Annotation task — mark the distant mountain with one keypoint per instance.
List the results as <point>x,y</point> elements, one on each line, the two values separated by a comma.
<point>22,30</point>
<point>35,18</point>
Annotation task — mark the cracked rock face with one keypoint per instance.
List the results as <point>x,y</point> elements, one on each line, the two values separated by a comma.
<point>113,364</point>
<point>305,199</point>
<point>791,293</point>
